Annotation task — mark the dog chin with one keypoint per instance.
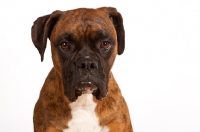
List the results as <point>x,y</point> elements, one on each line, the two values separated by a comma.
<point>86,88</point>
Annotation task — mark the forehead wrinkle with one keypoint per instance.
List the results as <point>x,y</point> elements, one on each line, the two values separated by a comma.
<point>96,31</point>
<point>78,32</point>
<point>85,31</point>
<point>83,24</point>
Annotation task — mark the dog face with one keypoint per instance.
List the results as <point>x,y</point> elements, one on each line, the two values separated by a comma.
<point>84,43</point>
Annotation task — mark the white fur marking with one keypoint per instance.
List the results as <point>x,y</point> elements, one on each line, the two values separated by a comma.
<point>84,118</point>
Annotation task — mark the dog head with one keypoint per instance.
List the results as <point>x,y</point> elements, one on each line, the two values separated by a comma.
<point>84,44</point>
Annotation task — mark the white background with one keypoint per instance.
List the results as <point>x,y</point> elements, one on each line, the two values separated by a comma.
<point>159,72</point>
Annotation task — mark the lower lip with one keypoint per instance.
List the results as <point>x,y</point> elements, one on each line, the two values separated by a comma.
<point>87,91</point>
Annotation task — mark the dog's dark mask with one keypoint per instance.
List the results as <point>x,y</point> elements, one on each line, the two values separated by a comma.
<point>85,74</point>
<point>84,46</point>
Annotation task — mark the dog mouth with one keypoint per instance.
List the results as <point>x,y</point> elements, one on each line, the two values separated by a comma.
<point>86,88</point>
<point>96,88</point>
<point>81,77</point>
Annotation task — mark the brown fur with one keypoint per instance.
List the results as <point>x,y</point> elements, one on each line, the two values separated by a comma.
<point>52,110</point>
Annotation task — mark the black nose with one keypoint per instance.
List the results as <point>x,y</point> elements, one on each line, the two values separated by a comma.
<point>86,63</point>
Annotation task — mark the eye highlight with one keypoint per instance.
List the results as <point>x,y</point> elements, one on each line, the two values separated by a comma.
<point>65,46</point>
<point>105,45</point>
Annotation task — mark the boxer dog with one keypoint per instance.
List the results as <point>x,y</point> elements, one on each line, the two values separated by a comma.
<point>80,93</point>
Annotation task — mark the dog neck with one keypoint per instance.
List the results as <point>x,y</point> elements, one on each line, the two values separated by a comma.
<point>84,102</point>
<point>84,118</point>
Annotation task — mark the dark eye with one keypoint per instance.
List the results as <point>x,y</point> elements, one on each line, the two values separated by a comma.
<point>105,45</point>
<point>65,46</point>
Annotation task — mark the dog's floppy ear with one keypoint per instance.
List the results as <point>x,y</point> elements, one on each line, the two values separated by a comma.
<point>119,27</point>
<point>42,29</point>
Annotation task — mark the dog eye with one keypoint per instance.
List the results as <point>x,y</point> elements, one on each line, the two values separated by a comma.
<point>105,45</point>
<point>65,46</point>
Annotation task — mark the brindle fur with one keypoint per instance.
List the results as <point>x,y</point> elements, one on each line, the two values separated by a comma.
<point>52,110</point>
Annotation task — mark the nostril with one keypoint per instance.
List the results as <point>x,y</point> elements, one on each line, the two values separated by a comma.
<point>83,66</point>
<point>92,66</point>
<point>86,64</point>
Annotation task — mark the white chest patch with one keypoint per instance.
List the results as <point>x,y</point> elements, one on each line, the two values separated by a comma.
<point>84,118</point>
